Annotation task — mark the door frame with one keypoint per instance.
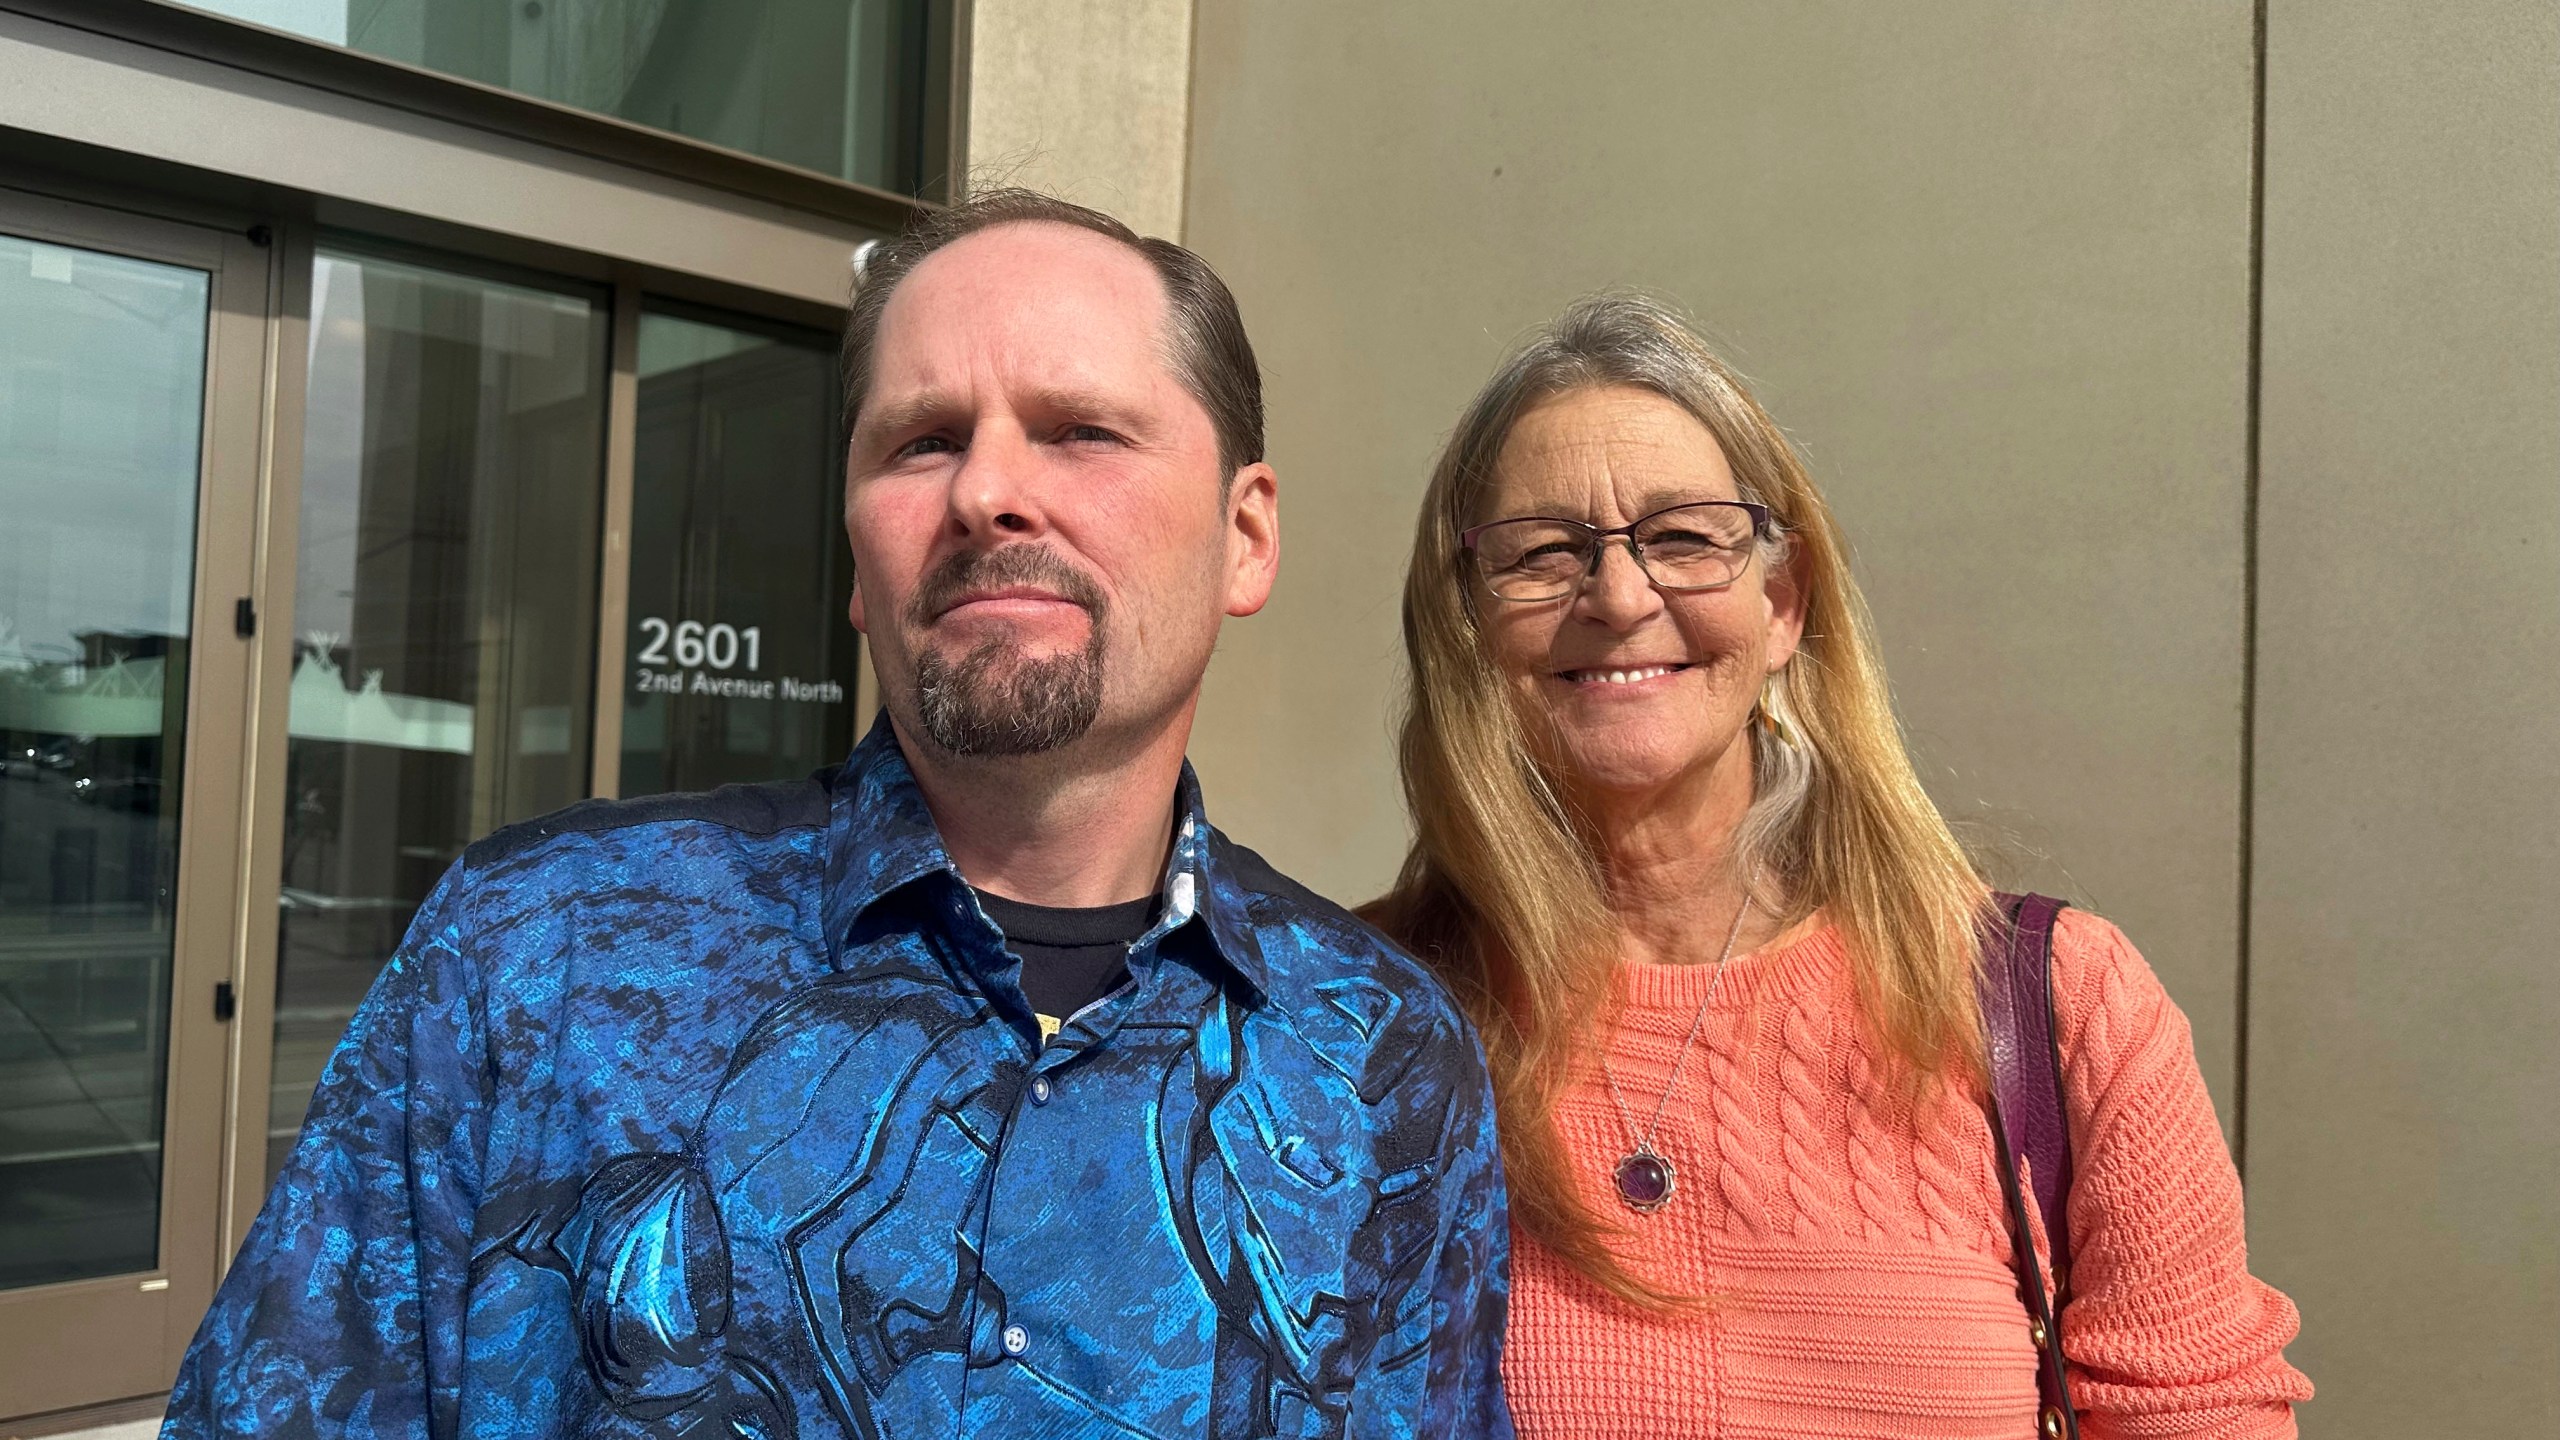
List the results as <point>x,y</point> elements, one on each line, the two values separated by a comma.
<point>262,745</point>
<point>79,1343</point>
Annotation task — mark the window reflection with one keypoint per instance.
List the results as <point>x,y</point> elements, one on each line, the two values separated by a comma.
<point>101,423</point>
<point>444,611</point>
<point>849,88</point>
<point>741,660</point>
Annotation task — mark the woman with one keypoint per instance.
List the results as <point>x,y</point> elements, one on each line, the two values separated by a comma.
<point>1722,951</point>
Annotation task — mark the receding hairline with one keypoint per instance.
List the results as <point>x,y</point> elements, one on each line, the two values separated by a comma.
<point>1166,341</point>
<point>1204,342</point>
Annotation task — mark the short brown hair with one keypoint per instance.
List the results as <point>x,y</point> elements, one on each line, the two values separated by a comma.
<point>1209,352</point>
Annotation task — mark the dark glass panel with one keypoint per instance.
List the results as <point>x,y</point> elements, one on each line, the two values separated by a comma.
<point>850,88</point>
<point>742,661</point>
<point>444,612</point>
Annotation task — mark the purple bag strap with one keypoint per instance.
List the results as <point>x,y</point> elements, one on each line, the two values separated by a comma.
<point>2028,1122</point>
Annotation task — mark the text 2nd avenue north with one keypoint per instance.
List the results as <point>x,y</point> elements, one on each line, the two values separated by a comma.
<point>736,687</point>
<point>700,649</point>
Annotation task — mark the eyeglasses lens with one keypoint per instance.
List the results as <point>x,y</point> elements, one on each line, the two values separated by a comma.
<point>1693,547</point>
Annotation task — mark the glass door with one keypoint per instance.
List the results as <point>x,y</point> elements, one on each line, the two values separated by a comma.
<point>444,611</point>
<point>130,403</point>
<point>742,663</point>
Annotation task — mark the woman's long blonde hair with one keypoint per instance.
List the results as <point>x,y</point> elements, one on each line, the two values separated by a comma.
<point>1502,893</point>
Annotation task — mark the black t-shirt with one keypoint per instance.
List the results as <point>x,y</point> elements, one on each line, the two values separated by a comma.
<point>1070,958</point>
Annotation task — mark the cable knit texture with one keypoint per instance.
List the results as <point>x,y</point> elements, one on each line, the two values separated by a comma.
<point>1854,1242</point>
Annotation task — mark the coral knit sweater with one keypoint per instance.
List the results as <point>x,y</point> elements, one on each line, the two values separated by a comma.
<point>1856,1249</point>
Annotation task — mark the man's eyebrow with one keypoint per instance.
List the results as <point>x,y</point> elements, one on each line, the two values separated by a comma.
<point>911,412</point>
<point>1087,403</point>
<point>904,413</point>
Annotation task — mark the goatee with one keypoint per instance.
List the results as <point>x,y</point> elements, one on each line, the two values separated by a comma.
<point>993,701</point>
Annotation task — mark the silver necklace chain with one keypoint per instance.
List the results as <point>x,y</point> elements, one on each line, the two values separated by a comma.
<point>1644,1138</point>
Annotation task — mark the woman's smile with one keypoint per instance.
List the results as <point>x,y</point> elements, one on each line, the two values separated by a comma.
<point>1622,677</point>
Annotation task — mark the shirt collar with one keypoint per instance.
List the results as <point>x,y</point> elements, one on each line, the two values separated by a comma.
<point>881,838</point>
<point>1201,871</point>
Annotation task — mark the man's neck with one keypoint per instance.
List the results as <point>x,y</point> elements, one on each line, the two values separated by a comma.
<point>1087,826</point>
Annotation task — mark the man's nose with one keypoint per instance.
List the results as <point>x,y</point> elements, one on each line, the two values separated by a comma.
<point>1616,593</point>
<point>995,493</point>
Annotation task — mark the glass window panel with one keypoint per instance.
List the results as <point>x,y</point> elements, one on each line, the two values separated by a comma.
<point>444,660</point>
<point>742,661</point>
<point>101,434</point>
<point>843,87</point>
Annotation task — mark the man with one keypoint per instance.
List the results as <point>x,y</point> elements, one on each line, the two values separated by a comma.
<point>977,1088</point>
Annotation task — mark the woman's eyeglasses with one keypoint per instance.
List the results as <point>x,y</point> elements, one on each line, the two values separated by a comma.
<point>1698,546</point>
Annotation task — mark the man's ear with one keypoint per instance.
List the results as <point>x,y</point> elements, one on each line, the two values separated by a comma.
<point>1253,538</point>
<point>853,550</point>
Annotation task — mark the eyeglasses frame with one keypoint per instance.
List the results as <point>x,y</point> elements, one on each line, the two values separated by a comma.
<point>1763,528</point>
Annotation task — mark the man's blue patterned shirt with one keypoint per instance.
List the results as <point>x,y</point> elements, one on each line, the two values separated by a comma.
<point>723,1116</point>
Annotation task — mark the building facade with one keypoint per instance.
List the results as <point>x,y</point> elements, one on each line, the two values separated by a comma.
<point>414,417</point>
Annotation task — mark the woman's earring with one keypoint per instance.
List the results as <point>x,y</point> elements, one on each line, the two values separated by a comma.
<point>1766,714</point>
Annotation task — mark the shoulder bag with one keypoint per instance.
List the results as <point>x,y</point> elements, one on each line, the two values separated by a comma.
<point>2028,1122</point>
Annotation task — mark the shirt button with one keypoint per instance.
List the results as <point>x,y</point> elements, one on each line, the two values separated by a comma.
<point>1041,1090</point>
<point>1015,1341</point>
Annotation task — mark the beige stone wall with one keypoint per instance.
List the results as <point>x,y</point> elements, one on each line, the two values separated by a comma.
<point>2404,1158</point>
<point>1085,98</point>
<point>1988,262</point>
<point>1991,263</point>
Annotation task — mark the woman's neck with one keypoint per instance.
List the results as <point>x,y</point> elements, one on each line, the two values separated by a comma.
<point>1668,862</point>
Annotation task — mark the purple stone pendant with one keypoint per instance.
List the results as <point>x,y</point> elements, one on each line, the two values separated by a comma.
<point>1645,1181</point>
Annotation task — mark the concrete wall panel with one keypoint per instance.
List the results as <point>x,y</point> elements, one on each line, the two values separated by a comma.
<point>1084,98</point>
<point>1988,261</point>
<point>2404,1161</point>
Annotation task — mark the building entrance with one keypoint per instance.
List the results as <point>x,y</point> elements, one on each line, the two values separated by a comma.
<point>322,557</point>
<point>404,432</point>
